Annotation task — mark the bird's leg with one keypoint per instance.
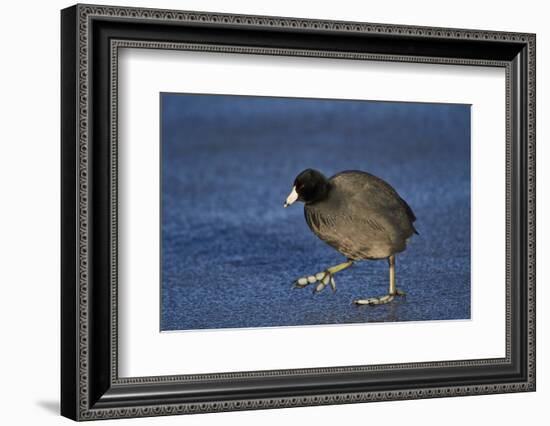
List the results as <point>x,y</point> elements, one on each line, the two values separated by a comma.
<point>393,291</point>
<point>323,278</point>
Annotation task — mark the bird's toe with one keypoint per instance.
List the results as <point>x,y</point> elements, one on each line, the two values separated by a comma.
<point>320,275</point>
<point>332,284</point>
<point>301,282</point>
<point>319,287</point>
<point>321,279</point>
<point>379,300</point>
<point>324,279</point>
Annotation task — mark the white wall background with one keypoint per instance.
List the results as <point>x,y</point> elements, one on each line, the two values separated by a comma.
<point>29,211</point>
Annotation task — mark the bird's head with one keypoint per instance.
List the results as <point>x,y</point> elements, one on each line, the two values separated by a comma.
<point>309,186</point>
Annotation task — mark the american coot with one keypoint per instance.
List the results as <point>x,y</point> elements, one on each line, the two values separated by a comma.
<point>358,214</point>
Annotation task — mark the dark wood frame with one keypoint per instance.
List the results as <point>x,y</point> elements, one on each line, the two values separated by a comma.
<point>90,386</point>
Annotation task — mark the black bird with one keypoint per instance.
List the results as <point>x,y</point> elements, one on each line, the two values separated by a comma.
<point>358,214</point>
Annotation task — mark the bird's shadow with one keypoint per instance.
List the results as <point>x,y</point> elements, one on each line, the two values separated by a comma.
<point>50,406</point>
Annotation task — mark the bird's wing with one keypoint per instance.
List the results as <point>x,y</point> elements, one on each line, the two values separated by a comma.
<point>355,235</point>
<point>374,193</point>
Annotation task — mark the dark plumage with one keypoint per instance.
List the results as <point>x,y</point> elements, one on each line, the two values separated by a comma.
<point>357,213</point>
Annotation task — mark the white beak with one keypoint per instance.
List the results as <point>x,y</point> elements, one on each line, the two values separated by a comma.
<point>293,196</point>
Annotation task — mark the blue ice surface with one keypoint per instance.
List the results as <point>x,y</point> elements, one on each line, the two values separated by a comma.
<point>230,251</point>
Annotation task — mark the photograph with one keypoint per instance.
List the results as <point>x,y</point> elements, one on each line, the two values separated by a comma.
<point>263,209</point>
<point>280,211</point>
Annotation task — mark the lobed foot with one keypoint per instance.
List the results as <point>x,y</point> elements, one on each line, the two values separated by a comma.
<point>379,300</point>
<point>321,279</point>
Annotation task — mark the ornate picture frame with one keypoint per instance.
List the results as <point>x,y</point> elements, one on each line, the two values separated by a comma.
<point>91,37</point>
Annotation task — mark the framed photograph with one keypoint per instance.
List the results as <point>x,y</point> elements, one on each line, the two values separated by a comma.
<point>264,212</point>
